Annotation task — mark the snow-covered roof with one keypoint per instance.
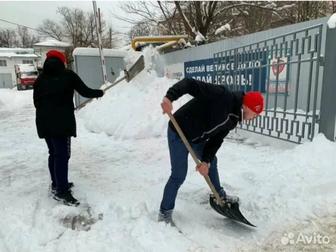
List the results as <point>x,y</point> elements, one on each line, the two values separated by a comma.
<point>15,55</point>
<point>53,43</point>
<point>18,50</point>
<point>26,67</point>
<point>83,51</point>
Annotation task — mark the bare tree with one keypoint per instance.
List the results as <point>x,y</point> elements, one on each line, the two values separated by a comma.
<point>77,27</point>
<point>307,10</point>
<point>155,17</point>
<point>201,15</point>
<point>8,38</point>
<point>52,29</point>
<point>140,11</point>
<point>206,17</point>
<point>141,29</point>
<point>169,17</point>
<point>26,39</point>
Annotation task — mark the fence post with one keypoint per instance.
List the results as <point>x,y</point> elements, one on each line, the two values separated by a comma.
<point>327,124</point>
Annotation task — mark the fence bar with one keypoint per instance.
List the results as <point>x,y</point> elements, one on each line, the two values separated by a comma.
<point>328,107</point>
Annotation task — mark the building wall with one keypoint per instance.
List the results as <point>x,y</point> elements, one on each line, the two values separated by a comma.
<point>90,71</point>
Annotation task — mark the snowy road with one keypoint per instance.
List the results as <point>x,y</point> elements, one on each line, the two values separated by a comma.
<point>120,164</point>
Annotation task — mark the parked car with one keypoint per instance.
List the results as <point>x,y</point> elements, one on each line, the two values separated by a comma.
<point>26,74</point>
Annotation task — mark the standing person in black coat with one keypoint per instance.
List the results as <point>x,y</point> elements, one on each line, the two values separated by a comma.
<point>205,120</point>
<point>55,118</point>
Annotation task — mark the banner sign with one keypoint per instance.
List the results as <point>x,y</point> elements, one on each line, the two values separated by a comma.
<point>246,71</point>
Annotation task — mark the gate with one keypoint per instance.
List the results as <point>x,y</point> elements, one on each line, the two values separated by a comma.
<point>287,70</point>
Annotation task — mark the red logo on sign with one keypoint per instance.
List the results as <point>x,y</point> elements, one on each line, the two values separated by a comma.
<point>277,69</point>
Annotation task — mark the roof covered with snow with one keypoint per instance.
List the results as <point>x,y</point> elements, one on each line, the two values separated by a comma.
<point>52,43</point>
<point>17,50</point>
<point>83,51</point>
<point>26,67</point>
<point>15,55</point>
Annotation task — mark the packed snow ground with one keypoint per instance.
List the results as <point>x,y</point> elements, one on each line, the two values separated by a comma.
<point>120,164</point>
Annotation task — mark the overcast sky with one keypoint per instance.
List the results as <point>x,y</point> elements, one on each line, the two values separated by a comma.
<point>32,13</point>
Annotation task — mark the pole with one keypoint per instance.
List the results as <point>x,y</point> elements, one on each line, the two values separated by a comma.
<point>100,46</point>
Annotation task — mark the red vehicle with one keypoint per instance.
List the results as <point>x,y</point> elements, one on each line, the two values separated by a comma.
<point>26,74</point>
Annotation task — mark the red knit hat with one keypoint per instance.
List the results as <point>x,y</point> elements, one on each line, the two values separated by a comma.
<point>254,101</point>
<point>56,54</point>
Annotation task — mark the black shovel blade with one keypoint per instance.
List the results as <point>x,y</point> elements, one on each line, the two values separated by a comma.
<point>229,210</point>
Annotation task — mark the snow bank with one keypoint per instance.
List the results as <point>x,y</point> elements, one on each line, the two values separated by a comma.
<point>332,21</point>
<point>223,28</point>
<point>11,99</point>
<point>130,110</point>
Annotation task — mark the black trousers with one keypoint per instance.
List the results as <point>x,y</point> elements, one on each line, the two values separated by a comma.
<point>59,155</point>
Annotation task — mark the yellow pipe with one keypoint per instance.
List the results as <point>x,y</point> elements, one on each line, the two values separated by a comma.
<point>157,39</point>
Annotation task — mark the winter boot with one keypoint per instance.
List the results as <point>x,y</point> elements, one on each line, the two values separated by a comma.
<point>53,187</point>
<point>166,216</point>
<point>66,198</point>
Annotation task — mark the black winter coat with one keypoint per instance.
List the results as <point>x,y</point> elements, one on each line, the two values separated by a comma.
<point>209,116</point>
<point>53,99</point>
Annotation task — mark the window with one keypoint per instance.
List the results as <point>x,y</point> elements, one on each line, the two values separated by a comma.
<point>3,63</point>
<point>27,62</point>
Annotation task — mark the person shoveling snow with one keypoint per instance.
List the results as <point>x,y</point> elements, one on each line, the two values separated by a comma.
<point>205,120</point>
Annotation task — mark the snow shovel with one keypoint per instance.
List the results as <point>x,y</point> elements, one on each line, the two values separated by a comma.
<point>136,68</point>
<point>228,209</point>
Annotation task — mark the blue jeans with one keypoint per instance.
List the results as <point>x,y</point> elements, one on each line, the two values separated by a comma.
<point>59,155</point>
<point>179,166</point>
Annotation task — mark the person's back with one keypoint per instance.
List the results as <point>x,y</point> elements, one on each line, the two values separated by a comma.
<point>205,113</point>
<point>54,85</point>
<point>53,99</point>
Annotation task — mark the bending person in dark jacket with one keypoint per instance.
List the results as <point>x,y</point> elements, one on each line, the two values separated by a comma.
<point>205,120</point>
<point>55,118</point>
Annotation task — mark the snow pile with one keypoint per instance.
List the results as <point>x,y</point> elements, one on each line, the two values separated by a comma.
<point>199,37</point>
<point>130,110</point>
<point>134,106</point>
<point>332,21</point>
<point>11,99</point>
<point>223,28</point>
